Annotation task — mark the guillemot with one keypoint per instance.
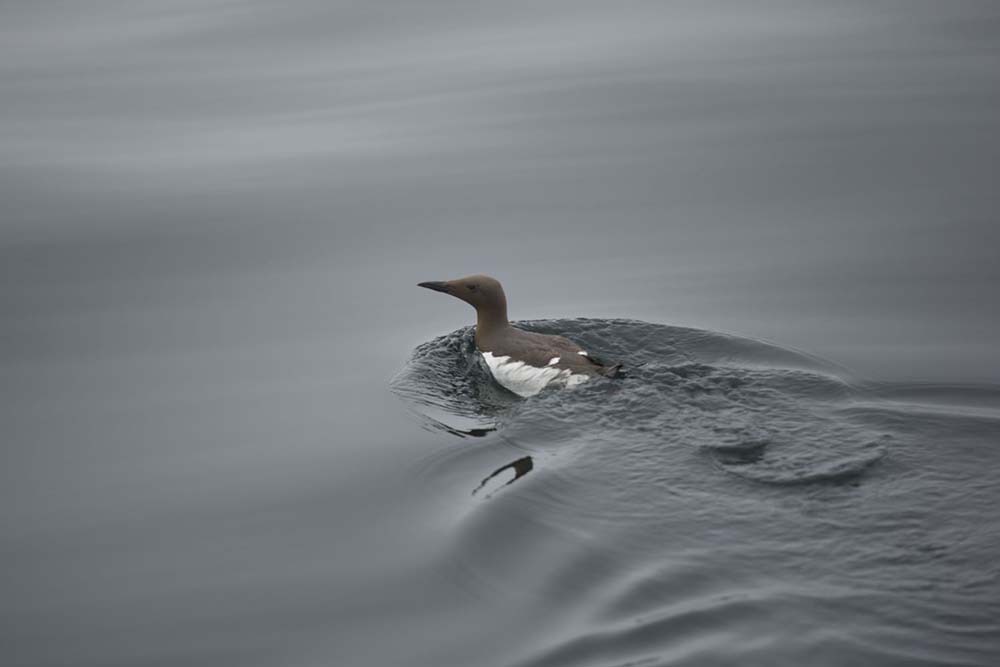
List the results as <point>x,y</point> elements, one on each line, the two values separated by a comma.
<point>522,361</point>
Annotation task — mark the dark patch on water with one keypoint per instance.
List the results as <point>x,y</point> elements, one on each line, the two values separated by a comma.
<point>519,468</point>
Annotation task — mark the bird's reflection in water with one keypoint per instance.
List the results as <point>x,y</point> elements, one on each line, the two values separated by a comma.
<point>432,424</point>
<point>520,467</point>
<point>472,432</point>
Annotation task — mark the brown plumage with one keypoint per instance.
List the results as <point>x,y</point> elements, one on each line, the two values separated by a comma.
<point>497,338</point>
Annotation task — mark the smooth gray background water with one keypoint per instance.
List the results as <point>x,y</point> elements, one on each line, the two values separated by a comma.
<point>213,216</point>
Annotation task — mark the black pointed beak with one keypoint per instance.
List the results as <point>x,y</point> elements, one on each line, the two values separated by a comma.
<point>435,285</point>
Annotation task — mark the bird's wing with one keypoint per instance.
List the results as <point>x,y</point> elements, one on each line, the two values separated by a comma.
<point>540,350</point>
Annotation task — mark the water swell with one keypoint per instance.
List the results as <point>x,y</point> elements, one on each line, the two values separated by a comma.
<point>728,502</point>
<point>757,411</point>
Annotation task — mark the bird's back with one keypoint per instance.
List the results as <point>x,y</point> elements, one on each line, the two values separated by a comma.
<point>546,351</point>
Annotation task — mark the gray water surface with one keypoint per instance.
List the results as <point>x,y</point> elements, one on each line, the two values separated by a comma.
<point>225,443</point>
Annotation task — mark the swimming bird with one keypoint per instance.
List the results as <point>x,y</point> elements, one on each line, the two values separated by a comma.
<point>522,361</point>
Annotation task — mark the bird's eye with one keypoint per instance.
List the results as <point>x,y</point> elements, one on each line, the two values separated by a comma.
<point>473,287</point>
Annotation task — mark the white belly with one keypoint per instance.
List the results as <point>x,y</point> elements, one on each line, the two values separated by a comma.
<point>525,380</point>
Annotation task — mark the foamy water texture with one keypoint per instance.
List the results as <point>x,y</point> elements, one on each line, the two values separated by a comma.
<point>729,501</point>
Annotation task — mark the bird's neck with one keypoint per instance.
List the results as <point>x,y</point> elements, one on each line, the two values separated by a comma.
<point>490,322</point>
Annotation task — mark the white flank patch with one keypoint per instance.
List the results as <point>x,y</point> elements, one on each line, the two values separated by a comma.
<point>525,380</point>
<point>583,353</point>
<point>553,361</point>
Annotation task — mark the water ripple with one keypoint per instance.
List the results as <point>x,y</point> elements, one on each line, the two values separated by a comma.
<point>728,502</point>
<point>760,412</point>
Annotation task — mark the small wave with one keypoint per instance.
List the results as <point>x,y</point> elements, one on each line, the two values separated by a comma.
<point>761,412</point>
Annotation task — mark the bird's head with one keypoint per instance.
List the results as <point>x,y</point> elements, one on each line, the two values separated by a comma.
<point>481,292</point>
